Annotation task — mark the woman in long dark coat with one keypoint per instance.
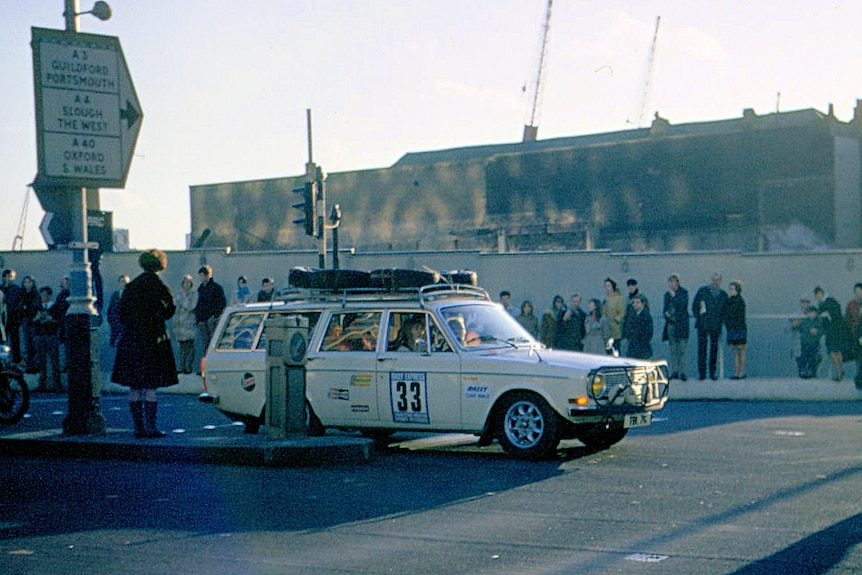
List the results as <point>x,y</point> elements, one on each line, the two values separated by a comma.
<point>737,328</point>
<point>838,338</point>
<point>145,360</point>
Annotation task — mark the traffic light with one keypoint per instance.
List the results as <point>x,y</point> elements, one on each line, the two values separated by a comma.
<point>307,205</point>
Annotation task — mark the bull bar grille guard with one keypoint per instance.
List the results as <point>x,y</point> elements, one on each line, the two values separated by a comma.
<point>629,389</point>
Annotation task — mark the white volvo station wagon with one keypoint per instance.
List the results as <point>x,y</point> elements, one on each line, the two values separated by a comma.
<point>440,357</point>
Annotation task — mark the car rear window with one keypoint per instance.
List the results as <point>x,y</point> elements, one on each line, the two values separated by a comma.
<point>241,332</point>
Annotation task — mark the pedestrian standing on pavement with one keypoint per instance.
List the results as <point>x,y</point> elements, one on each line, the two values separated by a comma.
<point>11,290</point>
<point>708,310</point>
<point>46,329</point>
<point>506,302</point>
<point>114,310</point>
<point>528,318</point>
<point>266,286</point>
<point>145,360</point>
<point>614,308</point>
<point>184,324</point>
<point>550,320</point>
<point>638,330</point>
<point>597,329</point>
<point>810,330</point>
<point>570,328</point>
<point>838,338</point>
<point>676,328</point>
<point>633,290</point>
<point>737,329</point>
<point>853,317</point>
<point>24,311</point>
<point>211,302</point>
<point>243,293</point>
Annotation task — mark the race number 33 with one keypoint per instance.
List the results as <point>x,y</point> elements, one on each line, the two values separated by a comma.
<point>408,396</point>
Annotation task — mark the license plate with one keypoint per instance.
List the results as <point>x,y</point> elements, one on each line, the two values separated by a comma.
<point>637,420</point>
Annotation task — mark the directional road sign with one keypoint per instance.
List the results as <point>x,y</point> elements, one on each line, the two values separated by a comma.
<point>87,113</point>
<point>56,229</point>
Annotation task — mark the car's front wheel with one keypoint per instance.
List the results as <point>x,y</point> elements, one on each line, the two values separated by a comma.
<point>527,426</point>
<point>599,438</point>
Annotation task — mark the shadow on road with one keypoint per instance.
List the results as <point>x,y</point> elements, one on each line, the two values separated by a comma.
<point>54,496</point>
<point>817,554</point>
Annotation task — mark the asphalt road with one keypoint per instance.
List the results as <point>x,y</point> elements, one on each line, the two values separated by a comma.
<point>711,488</point>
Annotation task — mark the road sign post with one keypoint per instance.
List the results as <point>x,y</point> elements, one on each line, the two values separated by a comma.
<point>87,123</point>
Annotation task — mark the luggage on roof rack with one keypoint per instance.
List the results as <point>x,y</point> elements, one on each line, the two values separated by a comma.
<point>463,277</point>
<point>402,278</point>
<point>390,279</point>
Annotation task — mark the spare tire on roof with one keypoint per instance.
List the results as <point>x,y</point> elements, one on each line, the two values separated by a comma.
<point>400,278</point>
<point>463,277</point>
<point>301,277</point>
<point>311,278</point>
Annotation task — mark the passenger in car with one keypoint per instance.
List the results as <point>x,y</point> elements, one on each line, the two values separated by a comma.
<point>413,335</point>
<point>458,327</point>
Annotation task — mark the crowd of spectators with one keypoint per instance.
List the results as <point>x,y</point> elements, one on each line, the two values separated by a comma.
<point>32,324</point>
<point>620,324</point>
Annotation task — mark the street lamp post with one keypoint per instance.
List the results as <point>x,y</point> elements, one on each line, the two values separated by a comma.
<point>85,413</point>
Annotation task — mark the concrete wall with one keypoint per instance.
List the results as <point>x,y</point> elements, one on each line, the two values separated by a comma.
<point>772,282</point>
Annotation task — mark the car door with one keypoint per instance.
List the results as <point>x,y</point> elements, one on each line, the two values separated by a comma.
<point>235,366</point>
<point>341,370</point>
<point>418,374</point>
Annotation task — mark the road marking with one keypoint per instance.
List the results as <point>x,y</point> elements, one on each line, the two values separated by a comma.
<point>647,557</point>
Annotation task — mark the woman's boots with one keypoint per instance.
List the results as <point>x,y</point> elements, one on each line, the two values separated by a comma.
<point>144,418</point>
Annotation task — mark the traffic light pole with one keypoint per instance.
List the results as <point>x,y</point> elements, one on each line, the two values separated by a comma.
<point>315,173</point>
<point>321,220</point>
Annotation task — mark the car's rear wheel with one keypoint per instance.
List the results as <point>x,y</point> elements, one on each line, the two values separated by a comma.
<point>381,437</point>
<point>312,422</point>
<point>313,426</point>
<point>527,426</point>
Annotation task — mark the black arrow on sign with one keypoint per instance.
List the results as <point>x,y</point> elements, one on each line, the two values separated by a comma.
<point>130,115</point>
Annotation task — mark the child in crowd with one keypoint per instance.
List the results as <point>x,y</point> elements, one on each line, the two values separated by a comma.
<point>811,331</point>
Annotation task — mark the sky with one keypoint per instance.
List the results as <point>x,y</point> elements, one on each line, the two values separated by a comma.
<point>225,85</point>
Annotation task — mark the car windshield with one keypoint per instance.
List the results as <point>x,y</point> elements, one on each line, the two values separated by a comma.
<point>476,326</point>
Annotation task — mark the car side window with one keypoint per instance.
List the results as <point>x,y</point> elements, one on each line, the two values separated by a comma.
<point>240,332</point>
<point>352,331</point>
<point>312,321</point>
<point>408,332</point>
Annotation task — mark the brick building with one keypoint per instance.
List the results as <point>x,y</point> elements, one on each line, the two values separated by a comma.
<point>775,182</point>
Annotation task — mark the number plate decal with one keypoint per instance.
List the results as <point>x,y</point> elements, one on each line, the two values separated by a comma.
<point>637,420</point>
<point>408,396</point>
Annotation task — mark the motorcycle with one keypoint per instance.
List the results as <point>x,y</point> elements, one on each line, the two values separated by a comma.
<point>14,393</point>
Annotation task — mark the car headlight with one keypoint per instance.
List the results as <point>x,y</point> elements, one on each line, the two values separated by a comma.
<point>598,386</point>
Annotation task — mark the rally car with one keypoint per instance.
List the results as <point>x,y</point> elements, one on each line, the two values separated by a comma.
<point>440,357</point>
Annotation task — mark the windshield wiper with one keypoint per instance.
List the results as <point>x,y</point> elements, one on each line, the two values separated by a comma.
<point>511,342</point>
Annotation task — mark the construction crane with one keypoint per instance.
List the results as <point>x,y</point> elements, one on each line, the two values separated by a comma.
<point>649,69</point>
<point>531,130</point>
<point>18,242</point>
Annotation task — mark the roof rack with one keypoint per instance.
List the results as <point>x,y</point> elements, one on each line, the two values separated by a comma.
<point>422,294</point>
